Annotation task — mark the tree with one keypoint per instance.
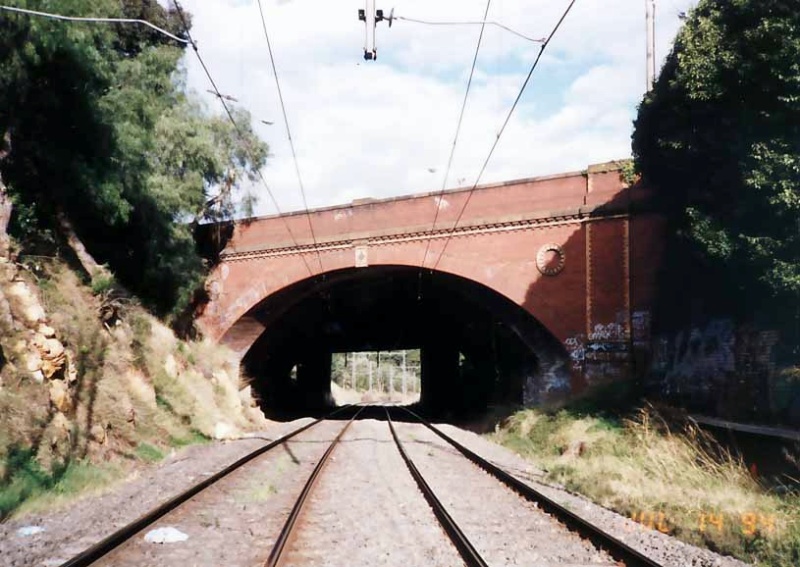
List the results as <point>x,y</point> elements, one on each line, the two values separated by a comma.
<point>719,137</point>
<point>104,135</point>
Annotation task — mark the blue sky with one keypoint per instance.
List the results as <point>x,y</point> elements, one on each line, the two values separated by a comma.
<point>385,128</point>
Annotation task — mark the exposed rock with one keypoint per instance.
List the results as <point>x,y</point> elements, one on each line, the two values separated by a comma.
<point>47,331</point>
<point>30,310</point>
<point>72,372</point>
<point>54,357</point>
<point>60,429</point>
<point>6,320</point>
<point>37,377</point>
<point>60,396</point>
<point>171,366</point>
<point>219,377</point>
<point>246,396</point>
<point>98,433</point>
<point>224,430</point>
<point>33,362</point>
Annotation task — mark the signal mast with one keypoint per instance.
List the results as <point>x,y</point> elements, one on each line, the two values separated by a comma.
<point>370,16</point>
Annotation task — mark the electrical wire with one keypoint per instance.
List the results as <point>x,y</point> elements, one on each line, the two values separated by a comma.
<point>289,135</point>
<point>502,129</point>
<point>94,20</point>
<point>455,138</point>
<point>237,129</point>
<point>482,23</point>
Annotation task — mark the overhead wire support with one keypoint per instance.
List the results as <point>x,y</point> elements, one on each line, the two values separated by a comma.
<point>94,20</point>
<point>502,129</point>
<point>458,131</point>
<point>289,136</point>
<point>238,130</point>
<point>481,23</point>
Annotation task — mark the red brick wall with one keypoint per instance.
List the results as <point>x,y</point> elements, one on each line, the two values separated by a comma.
<point>583,213</point>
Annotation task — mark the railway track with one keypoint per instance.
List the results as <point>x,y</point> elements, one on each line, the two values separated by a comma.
<point>617,549</point>
<point>282,551</point>
<point>110,543</point>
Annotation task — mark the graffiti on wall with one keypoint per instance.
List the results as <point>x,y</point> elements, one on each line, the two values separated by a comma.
<point>608,351</point>
<point>720,367</point>
<point>641,325</point>
<point>551,379</point>
<point>696,358</point>
<point>609,332</point>
<point>576,348</point>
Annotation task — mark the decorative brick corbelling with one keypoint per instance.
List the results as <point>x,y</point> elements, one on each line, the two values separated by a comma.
<point>577,218</point>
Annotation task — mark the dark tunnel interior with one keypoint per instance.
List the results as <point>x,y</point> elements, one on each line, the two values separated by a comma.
<point>477,347</point>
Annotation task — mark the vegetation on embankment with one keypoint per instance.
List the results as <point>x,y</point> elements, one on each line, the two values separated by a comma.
<point>717,137</point>
<point>101,138</point>
<point>92,385</point>
<point>679,481</point>
<point>107,161</point>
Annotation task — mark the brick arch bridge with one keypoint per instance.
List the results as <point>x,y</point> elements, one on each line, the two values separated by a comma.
<point>577,252</point>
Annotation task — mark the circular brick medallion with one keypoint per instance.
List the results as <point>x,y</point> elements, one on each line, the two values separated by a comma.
<point>550,259</point>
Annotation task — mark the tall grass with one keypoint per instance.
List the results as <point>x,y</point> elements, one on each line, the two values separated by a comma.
<point>678,480</point>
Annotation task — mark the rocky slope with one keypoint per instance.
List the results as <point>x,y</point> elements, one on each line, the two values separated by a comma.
<point>89,377</point>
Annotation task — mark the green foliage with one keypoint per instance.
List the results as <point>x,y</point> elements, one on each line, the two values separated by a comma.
<point>719,136</point>
<point>26,480</point>
<point>103,132</point>
<point>149,453</point>
<point>194,437</point>
<point>102,283</point>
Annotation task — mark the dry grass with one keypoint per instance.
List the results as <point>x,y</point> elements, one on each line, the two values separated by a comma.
<point>148,391</point>
<point>681,482</point>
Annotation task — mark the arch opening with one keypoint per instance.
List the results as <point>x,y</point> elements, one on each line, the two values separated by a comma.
<point>477,348</point>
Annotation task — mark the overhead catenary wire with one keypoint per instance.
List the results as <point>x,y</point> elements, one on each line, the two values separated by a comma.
<point>458,131</point>
<point>94,20</point>
<point>502,129</point>
<point>289,136</point>
<point>481,23</point>
<point>237,129</point>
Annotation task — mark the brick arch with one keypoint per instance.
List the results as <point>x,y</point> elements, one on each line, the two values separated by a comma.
<point>238,287</point>
<point>601,237</point>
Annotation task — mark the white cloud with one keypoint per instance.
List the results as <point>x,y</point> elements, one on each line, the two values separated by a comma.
<point>376,128</point>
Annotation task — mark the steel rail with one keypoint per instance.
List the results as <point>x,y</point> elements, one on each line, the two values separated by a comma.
<point>468,553</point>
<point>127,532</point>
<point>617,549</point>
<point>276,555</point>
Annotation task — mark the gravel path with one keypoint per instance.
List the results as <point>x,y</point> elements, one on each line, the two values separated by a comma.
<point>367,510</point>
<point>82,523</point>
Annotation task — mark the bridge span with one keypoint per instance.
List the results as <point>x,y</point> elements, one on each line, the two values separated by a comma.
<point>545,288</point>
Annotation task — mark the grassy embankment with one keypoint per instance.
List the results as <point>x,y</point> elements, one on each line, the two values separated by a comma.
<point>669,477</point>
<point>137,394</point>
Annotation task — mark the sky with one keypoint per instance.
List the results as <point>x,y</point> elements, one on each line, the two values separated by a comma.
<point>385,128</point>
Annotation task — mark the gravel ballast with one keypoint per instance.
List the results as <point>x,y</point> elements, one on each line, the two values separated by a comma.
<point>366,509</point>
